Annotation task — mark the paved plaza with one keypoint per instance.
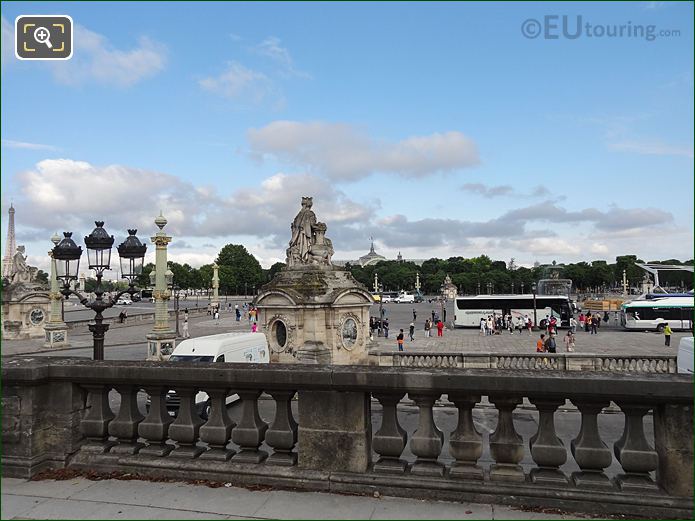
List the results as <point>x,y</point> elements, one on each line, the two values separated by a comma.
<point>127,341</point>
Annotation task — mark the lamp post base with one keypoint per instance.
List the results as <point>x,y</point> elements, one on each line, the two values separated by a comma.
<point>160,345</point>
<point>56,335</point>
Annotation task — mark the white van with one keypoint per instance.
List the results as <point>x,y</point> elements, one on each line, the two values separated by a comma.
<point>685,355</point>
<point>405,297</point>
<point>250,348</point>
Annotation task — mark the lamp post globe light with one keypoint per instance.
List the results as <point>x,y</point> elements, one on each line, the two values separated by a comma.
<point>67,255</point>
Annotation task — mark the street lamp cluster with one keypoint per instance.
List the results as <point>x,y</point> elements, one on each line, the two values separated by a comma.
<point>67,255</point>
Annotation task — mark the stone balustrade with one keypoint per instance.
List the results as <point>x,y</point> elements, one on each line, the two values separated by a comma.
<point>57,413</point>
<point>534,361</point>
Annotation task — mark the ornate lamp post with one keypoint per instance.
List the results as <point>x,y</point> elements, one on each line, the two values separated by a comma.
<point>56,330</point>
<point>67,257</point>
<point>162,340</point>
<point>535,318</point>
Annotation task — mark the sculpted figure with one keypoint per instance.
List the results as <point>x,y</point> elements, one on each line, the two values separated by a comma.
<point>21,272</point>
<point>302,234</point>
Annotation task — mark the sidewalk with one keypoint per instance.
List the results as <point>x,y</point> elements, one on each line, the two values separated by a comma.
<point>80,498</point>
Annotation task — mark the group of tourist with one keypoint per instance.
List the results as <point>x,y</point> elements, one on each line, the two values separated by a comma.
<point>590,323</point>
<point>547,343</point>
<point>494,324</point>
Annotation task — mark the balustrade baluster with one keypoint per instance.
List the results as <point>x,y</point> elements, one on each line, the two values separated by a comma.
<point>506,446</point>
<point>218,429</point>
<point>589,451</point>
<point>547,450</point>
<point>95,423</point>
<point>249,433</point>
<point>466,442</point>
<point>155,427</point>
<point>282,434</point>
<point>389,441</point>
<point>426,443</point>
<point>634,453</point>
<point>184,430</point>
<point>125,426</point>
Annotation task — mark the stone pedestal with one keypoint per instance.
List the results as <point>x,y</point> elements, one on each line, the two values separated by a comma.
<point>56,335</point>
<point>160,345</point>
<point>25,312</point>
<point>315,314</point>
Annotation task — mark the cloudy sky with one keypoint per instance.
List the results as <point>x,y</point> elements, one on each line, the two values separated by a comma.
<point>438,129</point>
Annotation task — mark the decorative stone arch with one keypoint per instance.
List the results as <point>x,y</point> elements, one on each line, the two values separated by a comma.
<point>268,295</point>
<point>348,295</point>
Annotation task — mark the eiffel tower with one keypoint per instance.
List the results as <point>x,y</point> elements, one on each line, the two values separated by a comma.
<point>10,245</point>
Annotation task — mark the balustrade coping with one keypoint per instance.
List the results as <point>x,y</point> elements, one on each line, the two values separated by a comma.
<point>644,388</point>
<point>380,352</point>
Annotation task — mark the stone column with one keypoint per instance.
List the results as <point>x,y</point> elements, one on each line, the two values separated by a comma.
<point>589,451</point>
<point>215,286</point>
<point>335,431</point>
<point>56,330</point>
<point>547,450</point>
<point>389,441</point>
<point>162,340</point>
<point>427,441</point>
<point>633,452</point>
<point>506,446</point>
<point>673,441</point>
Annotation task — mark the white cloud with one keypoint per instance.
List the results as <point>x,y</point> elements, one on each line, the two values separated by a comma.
<point>340,151</point>
<point>271,48</point>
<point>240,83</point>
<point>9,143</point>
<point>655,148</point>
<point>7,54</point>
<point>96,60</point>
<point>73,193</point>
<point>598,248</point>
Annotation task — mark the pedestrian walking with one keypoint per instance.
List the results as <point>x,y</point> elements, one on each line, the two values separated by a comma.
<point>254,327</point>
<point>569,341</point>
<point>667,335</point>
<point>411,331</point>
<point>595,321</point>
<point>440,328</point>
<point>216,316</point>
<point>399,340</point>
<point>582,319</point>
<point>238,314</point>
<point>433,316</point>
<point>550,345</point>
<point>529,325</point>
<point>185,327</point>
<point>428,327</point>
<point>483,327</point>
<point>385,327</point>
<point>414,315</point>
<point>573,325</point>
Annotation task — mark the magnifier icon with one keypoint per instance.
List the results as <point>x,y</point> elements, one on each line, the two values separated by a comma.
<point>43,35</point>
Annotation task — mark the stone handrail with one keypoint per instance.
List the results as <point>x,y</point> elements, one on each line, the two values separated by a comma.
<point>57,413</point>
<point>535,361</point>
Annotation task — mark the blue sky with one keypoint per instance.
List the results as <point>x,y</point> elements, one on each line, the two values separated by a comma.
<point>437,128</point>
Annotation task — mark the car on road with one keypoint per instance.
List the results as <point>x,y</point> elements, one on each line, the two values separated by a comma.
<point>124,301</point>
<point>404,297</point>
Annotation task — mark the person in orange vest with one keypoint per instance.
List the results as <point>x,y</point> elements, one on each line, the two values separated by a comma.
<point>399,339</point>
<point>540,344</point>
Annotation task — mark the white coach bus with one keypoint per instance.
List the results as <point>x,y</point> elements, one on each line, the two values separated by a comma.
<point>469,310</point>
<point>655,312</point>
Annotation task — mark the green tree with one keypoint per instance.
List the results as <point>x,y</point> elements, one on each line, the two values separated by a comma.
<point>143,280</point>
<point>242,268</point>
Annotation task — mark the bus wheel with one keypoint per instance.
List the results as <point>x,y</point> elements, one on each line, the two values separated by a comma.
<point>660,328</point>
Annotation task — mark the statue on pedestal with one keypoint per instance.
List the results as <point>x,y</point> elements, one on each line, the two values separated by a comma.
<point>21,272</point>
<point>309,244</point>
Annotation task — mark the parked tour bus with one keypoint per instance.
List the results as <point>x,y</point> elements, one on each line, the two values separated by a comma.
<point>469,310</point>
<point>654,312</point>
